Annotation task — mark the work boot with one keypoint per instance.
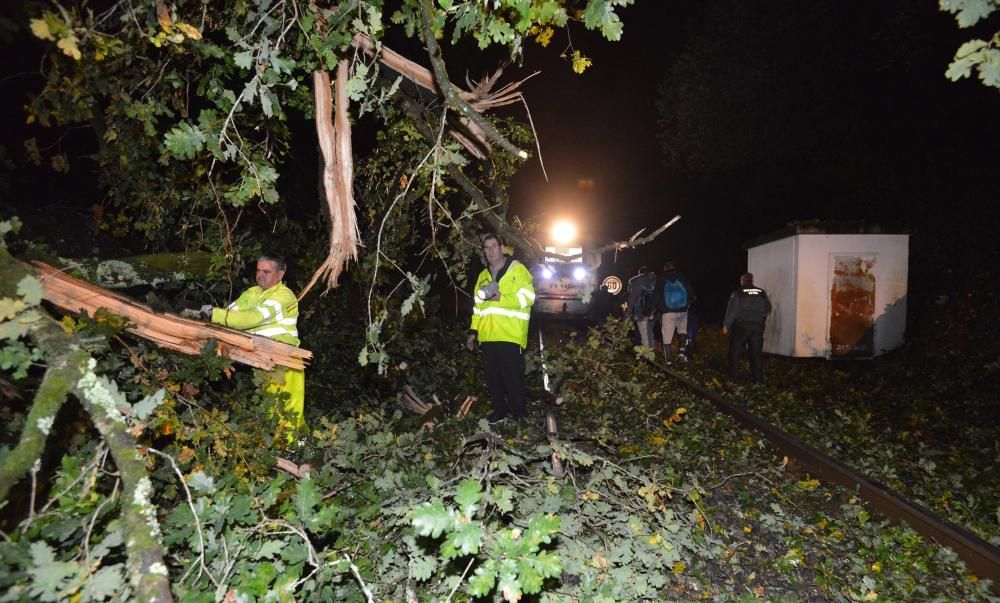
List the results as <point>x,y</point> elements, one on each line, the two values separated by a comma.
<point>668,354</point>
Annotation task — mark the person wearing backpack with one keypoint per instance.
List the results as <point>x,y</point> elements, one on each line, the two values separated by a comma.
<point>746,312</point>
<point>642,304</point>
<point>677,295</point>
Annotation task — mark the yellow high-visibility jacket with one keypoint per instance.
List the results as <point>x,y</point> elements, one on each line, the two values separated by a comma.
<point>273,313</point>
<point>506,319</point>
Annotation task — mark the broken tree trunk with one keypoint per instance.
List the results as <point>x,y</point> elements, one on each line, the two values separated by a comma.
<point>334,133</point>
<point>168,330</point>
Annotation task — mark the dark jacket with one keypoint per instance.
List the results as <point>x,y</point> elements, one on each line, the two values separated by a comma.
<point>635,287</point>
<point>661,283</point>
<point>747,304</point>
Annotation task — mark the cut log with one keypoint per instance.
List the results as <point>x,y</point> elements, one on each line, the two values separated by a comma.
<point>168,330</point>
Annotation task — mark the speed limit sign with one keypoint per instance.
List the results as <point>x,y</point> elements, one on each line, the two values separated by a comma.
<point>613,284</point>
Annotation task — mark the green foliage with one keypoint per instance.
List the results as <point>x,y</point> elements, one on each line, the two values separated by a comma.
<point>190,110</point>
<point>7,227</point>
<point>661,498</point>
<point>17,316</point>
<point>185,141</point>
<point>978,54</point>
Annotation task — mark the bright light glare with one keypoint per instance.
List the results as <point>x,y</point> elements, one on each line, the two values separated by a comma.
<point>563,232</point>
<point>546,272</point>
<point>579,273</point>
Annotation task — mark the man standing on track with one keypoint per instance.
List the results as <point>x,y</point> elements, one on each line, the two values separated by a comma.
<point>746,313</point>
<point>503,296</point>
<point>677,296</point>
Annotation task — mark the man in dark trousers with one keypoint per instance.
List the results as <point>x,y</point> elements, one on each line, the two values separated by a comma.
<point>502,298</point>
<point>746,312</point>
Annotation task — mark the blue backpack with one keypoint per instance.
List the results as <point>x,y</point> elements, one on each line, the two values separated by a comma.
<point>675,295</point>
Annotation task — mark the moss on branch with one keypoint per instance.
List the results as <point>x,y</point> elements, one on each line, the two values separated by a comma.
<point>146,568</point>
<point>62,373</point>
<point>71,369</point>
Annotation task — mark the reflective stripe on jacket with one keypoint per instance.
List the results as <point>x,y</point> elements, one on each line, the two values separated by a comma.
<point>273,313</point>
<point>506,319</point>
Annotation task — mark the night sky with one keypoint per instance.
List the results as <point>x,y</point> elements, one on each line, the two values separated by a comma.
<point>771,112</point>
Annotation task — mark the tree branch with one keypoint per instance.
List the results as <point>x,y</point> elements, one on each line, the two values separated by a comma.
<point>530,250</point>
<point>631,243</point>
<point>444,84</point>
<point>67,362</point>
<point>148,572</point>
<point>63,371</point>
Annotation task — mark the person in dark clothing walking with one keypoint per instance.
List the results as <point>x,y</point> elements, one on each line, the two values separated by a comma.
<point>746,313</point>
<point>642,304</point>
<point>677,296</point>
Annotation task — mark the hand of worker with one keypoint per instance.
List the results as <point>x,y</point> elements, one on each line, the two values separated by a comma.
<point>488,291</point>
<point>204,312</point>
<point>471,342</point>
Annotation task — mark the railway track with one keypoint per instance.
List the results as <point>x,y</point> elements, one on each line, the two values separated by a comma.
<point>981,557</point>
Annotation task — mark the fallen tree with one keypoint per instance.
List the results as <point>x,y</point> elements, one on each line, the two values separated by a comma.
<point>168,330</point>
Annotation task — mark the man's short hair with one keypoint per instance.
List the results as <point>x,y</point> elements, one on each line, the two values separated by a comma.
<point>746,279</point>
<point>279,261</point>
<point>494,236</point>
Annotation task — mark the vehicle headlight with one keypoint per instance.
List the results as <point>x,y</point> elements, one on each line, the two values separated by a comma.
<point>546,272</point>
<point>579,273</point>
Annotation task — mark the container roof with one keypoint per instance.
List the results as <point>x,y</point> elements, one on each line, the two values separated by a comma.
<point>822,227</point>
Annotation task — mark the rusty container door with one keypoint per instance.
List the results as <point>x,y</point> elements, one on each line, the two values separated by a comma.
<point>852,306</point>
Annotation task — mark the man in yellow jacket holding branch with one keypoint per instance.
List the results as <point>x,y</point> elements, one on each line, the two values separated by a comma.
<point>269,309</point>
<point>503,298</point>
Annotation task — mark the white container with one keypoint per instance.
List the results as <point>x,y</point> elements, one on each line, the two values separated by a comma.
<point>833,295</point>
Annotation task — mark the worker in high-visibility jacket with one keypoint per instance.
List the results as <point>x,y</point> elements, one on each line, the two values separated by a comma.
<point>270,309</point>
<point>503,296</point>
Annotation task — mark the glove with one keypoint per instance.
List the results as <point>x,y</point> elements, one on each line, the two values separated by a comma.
<point>488,291</point>
<point>204,312</point>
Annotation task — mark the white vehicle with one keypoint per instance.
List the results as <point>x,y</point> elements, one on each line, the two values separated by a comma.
<point>570,287</point>
<point>561,287</point>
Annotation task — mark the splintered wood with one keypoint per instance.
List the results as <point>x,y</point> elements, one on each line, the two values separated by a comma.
<point>168,330</point>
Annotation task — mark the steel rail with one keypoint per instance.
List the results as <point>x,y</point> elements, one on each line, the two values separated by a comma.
<point>981,557</point>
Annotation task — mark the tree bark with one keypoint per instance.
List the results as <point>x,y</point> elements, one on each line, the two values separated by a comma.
<point>150,269</point>
<point>147,571</point>
<point>62,373</point>
<point>59,379</point>
<point>70,368</point>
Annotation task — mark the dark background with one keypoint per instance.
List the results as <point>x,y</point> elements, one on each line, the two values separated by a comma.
<point>743,117</point>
